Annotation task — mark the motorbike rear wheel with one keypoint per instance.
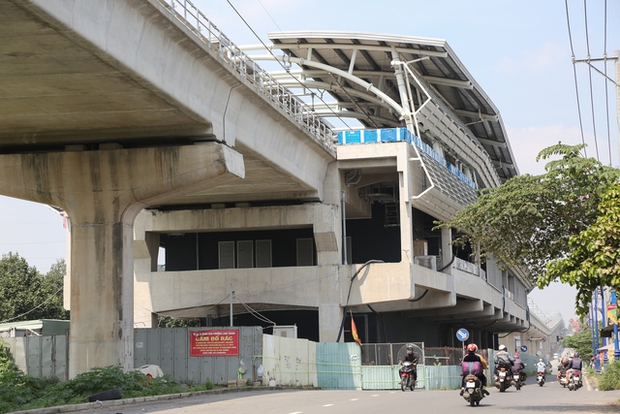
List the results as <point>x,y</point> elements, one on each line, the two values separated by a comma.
<point>502,387</point>
<point>472,401</point>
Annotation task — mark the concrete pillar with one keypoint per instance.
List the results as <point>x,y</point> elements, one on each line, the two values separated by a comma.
<point>327,227</point>
<point>446,247</point>
<point>102,191</point>
<point>406,213</point>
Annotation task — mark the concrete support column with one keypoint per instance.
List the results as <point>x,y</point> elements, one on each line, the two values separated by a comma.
<point>446,247</point>
<point>102,191</point>
<point>406,214</point>
<point>327,227</point>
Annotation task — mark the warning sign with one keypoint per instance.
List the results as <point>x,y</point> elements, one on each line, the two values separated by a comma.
<point>214,343</point>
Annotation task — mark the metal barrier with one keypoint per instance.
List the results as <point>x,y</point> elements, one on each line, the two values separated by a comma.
<point>263,83</point>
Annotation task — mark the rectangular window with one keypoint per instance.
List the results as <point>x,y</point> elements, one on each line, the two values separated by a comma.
<point>263,253</point>
<point>226,253</point>
<point>305,252</point>
<point>245,254</point>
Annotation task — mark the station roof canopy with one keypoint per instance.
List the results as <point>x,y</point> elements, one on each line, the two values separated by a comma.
<point>432,60</point>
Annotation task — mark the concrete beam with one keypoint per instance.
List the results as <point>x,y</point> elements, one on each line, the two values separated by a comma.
<point>102,192</point>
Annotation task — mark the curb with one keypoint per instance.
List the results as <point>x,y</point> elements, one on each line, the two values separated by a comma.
<point>153,398</point>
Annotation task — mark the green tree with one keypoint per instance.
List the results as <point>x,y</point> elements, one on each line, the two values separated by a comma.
<point>52,292</point>
<point>25,294</point>
<point>529,220</point>
<point>594,253</point>
<point>580,342</point>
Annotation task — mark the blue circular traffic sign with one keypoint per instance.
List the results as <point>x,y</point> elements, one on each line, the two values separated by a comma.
<point>523,348</point>
<point>462,334</point>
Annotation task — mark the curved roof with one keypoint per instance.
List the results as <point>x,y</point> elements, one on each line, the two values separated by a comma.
<point>370,56</point>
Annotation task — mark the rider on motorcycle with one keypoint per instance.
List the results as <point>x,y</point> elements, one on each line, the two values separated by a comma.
<point>574,364</point>
<point>413,358</point>
<point>503,358</point>
<point>541,366</point>
<point>563,367</point>
<point>518,367</point>
<point>472,356</point>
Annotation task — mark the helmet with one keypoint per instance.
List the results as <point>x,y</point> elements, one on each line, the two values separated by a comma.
<point>472,347</point>
<point>516,355</point>
<point>576,354</point>
<point>540,360</point>
<point>502,347</point>
<point>409,348</point>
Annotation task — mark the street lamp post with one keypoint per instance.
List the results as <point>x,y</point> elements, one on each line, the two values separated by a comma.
<point>614,301</point>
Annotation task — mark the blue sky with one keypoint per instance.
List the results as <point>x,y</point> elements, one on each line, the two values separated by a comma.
<point>518,52</point>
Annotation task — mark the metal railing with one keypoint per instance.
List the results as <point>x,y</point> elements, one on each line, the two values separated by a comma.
<point>262,82</point>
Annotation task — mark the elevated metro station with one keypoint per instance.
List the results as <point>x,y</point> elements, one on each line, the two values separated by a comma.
<point>200,185</point>
<point>415,137</point>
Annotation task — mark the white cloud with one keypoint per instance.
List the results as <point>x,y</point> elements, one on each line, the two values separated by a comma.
<point>527,142</point>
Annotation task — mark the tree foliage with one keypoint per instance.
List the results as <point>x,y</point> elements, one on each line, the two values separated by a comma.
<point>25,294</point>
<point>593,258</point>
<point>580,342</point>
<point>529,220</point>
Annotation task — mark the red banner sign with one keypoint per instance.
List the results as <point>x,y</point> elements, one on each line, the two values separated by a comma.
<point>214,343</point>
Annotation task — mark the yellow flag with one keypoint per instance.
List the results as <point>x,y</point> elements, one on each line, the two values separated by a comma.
<point>354,331</point>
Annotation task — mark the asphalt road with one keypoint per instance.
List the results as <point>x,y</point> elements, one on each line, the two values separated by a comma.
<point>551,398</point>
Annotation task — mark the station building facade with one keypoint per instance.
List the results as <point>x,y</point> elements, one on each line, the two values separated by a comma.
<point>415,137</point>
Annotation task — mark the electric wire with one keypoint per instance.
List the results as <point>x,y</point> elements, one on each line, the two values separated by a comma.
<point>301,84</point>
<point>605,80</point>
<point>267,11</point>
<point>572,50</point>
<point>257,314</point>
<point>35,308</point>
<point>585,14</point>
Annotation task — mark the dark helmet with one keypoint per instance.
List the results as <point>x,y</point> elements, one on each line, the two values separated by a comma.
<point>409,348</point>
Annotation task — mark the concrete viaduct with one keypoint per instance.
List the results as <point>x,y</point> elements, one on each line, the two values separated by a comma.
<point>111,106</point>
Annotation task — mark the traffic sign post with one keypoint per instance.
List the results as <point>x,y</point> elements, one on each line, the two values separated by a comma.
<point>462,335</point>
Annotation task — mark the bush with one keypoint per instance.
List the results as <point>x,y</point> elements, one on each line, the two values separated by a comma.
<point>610,379</point>
<point>21,392</point>
<point>16,388</point>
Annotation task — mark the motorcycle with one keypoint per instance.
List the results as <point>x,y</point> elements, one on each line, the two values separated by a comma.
<point>407,379</point>
<point>518,379</point>
<point>502,380</point>
<point>562,378</point>
<point>540,378</point>
<point>473,390</point>
<point>574,381</point>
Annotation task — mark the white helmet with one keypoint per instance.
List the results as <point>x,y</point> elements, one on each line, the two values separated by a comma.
<point>502,347</point>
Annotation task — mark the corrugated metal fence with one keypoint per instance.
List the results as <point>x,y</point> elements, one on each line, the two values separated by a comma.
<point>272,359</point>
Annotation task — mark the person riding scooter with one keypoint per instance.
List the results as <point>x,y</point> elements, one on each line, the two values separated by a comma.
<point>503,358</point>
<point>574,364</point>
<point>413,358</point>
<point>563,367</point>
<point>519,367</point>
<point>468,365</point>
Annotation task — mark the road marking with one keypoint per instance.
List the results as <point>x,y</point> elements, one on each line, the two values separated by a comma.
<point>375,395</point>
<point>327,405</point>
<point>296,412</point>
<point>354,399</point>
